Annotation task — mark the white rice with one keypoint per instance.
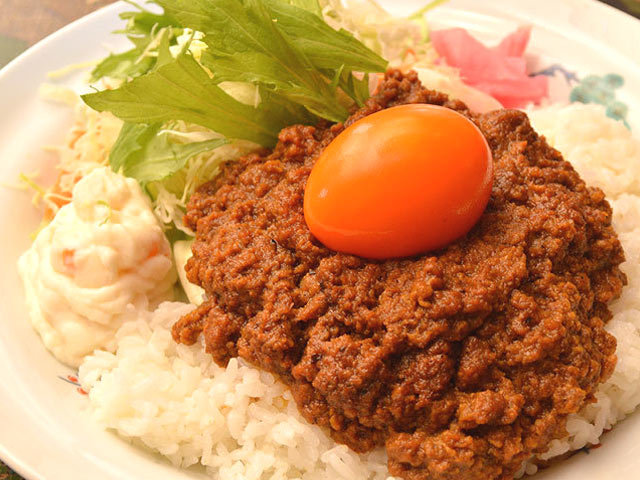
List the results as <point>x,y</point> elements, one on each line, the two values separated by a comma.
<point>238,421</point>
<point>242,424</point>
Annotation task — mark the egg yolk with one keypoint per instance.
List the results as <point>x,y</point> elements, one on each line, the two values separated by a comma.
<point>402,181</point>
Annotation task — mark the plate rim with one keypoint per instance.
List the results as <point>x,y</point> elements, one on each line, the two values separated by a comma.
<point>23,467</point>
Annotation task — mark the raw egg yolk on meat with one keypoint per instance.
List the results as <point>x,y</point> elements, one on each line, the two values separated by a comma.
<point>402,181</point>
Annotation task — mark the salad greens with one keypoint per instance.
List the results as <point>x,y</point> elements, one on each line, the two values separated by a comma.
<point>301,68</point>
<point>182,90</point>
<point>144,153</point>
<point>143,29</point>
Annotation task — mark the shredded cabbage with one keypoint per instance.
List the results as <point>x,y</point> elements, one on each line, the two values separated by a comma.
<point>402,41</point>
<point>170,196</point>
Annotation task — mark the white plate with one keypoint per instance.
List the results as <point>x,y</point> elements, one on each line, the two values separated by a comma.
<point>44,433</point>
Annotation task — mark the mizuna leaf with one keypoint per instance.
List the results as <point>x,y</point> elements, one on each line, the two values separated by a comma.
<point>145,153</point>
<point>325,47</point>
<point>182,90</point>
<point>278,44</point>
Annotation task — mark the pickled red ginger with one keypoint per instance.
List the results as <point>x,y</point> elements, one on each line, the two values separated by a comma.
<point>499,71</point>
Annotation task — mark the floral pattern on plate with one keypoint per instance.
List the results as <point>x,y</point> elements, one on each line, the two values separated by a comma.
<point>596,89</point>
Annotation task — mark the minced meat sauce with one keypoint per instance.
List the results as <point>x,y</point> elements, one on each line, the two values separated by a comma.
<point>462,362</point>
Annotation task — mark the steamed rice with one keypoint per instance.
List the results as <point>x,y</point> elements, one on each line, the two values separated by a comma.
<point>238,421</point>
<point>242,423</point>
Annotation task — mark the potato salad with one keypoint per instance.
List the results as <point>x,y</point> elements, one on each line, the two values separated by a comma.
<point>103,254</point>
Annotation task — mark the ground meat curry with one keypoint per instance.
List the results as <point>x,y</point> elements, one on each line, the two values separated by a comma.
<point>463,362</point>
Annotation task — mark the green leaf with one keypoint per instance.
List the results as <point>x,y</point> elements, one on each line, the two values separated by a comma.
<point>161,158</point>
<point>182,90</point>
<point>164,52</point>
<point>325,47</point>
<point>246,44</point>
<point>310,5</point>
<point>141,30</point>
<point>131,142</point>
<point>283,111</point>
<point>144,153</point>
<point>358,89</point>
<point>143,22</point>
<point>254,67</point>
<point>122,66</point>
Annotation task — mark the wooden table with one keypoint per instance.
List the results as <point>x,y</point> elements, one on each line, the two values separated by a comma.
<point>24,22</point>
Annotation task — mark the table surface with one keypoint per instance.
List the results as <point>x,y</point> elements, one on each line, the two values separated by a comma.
<point>24,22</point>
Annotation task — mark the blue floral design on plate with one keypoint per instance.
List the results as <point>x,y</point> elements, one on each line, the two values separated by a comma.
<point>555,68</point>
<point>593,89</point>
<point>601,90</point>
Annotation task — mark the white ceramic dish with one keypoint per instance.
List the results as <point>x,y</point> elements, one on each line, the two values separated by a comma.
<point>44,433</point>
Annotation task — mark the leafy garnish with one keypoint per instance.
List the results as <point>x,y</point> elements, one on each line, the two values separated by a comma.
<point>123,65</point>
<point>130,143</point>
<point>326,48</point>
<point>144,153</point>
<point>310,5</point>
<point>284,47</point>
<point>144,29</point>
<point>182,90</point>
